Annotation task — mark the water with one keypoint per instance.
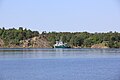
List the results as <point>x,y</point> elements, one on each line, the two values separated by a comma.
<point>38,53</point>
<point>59,64</point>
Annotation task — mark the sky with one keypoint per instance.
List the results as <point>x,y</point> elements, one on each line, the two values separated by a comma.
<point>61,15</point>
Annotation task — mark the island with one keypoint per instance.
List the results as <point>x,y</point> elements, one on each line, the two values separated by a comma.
<point>26,38</point>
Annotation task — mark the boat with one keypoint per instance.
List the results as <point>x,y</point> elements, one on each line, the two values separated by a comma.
<point>60,44</point>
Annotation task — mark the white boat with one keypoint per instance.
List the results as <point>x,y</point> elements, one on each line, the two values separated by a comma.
<point>60,44</point>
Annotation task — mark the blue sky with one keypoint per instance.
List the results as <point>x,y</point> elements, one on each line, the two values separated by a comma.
<point>61,15</point>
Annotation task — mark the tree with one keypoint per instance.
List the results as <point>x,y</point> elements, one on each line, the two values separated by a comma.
<point>88,42</point>
<point>20,28</point>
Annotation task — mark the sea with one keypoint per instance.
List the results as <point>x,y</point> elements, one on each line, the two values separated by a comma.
<point>59,64</point>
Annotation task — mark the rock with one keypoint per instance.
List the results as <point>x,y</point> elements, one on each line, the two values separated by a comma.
<point>1,43</point>
<point>36,42</point>
<point>99,46</point>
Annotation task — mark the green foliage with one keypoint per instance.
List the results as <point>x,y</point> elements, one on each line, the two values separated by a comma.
<point>85,39</point>
<point>13,36</point>
<point>77,39</point>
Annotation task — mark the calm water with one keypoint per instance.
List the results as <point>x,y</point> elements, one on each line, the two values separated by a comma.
<point>59,64</point>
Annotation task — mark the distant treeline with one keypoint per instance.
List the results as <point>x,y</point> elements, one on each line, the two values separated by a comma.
<point>85,39</point>
<point>13,36</point>
<point>74,39</point>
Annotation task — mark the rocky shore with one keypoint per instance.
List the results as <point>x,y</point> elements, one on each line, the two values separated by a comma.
<point>35,42</point>
<point>40,42</point>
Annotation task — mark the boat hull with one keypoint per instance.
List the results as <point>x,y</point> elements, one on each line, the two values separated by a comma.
<point>61,47</point>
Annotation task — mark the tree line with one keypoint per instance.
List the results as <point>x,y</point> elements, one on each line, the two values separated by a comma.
<point>13,36</point>
<point>74,39</point>
<point>85,39</point>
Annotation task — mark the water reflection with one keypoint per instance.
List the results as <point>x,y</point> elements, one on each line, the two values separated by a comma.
<point>57,53</point>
